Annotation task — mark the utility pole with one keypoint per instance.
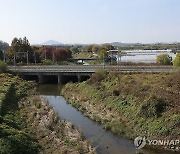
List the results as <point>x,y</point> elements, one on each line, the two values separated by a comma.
<point>118,60</point>
<point>103,62</point>
<point>14,59</point>
<point>45,55</point>
<point>4,56</point>
<point>111,57</point>
<point>54,56</point>
<point>34,57</point>
<point>27,59</point>
<point>177,47</point>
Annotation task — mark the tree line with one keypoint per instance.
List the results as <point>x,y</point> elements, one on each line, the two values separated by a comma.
<point>21,51</point>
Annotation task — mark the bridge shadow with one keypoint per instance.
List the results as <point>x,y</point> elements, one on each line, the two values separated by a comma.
<point>54,79</point>
<point>30,78</point>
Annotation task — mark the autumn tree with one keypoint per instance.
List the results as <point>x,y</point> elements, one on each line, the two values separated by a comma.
<point>88,48</point>
<point>47,52</point>
<point>53,54</point>
<point>108,46</point>
<point>74,49</point>
<point>62,54</point>
<point>95,48</point>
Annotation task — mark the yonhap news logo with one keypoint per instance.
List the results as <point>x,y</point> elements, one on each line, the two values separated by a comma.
<point>140,142</point>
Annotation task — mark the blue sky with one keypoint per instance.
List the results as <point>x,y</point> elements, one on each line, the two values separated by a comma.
<point>90,21</point>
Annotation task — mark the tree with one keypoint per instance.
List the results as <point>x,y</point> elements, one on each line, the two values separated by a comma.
<point>47,52</point>
<point>53,54</point>
<point>62,54</point>
<point>103,53</point>
<point>88,48</point>
<point>36,54</point>
<point>25,45</point>
<point>22,49</point>
<point>176,61</point>
<point>74,49</point>
<point>15,45</point>
<point>95,48</point>
<point>108,46</point>
<point>4,45</point>
<point>164,59</point>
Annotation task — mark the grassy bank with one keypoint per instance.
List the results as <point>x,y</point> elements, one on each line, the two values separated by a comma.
<point>29,125</point>
<point>14,135</point>
<point>130,105</point>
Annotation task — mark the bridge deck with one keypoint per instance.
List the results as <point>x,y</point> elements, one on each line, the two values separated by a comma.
<point>89,68</point>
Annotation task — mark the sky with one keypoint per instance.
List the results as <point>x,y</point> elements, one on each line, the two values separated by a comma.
<point>90,21</point>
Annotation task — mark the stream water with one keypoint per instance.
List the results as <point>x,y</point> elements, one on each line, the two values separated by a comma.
<point>104,141</point>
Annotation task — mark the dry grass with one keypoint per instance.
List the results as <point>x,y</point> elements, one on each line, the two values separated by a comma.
<point>131,104</point>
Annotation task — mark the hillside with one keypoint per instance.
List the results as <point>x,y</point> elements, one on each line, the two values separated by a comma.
<point>28,125</point>
<point>130,104</point>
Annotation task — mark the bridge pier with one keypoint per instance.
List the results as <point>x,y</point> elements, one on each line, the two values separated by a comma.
<point>59,79</point>
<point>79,78</point>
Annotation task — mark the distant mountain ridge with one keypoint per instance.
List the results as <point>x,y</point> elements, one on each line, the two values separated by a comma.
<point>120,44</point>
<point>51,42</point>
<point>117,44</point>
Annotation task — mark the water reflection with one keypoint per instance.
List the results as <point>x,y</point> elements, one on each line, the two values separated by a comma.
<point>105,142</point>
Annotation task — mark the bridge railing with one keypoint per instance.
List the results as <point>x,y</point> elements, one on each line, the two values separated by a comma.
<point>91,68</point>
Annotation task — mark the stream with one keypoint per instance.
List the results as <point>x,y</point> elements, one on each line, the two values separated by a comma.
<point>104,141</point>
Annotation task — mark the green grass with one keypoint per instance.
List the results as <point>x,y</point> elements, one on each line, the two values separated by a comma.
<point>131,104</point>
<point>14,135</point>
<point>29,125</point>
<point>3,67</point>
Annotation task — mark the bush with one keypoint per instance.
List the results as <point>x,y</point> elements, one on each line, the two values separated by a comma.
<point>116,92</point>
<point>3,67</point>
<point>164,59</point>
<point>176,61</point>
<point>98,76</point>
<point>47,62</point>
<point>153,107</point>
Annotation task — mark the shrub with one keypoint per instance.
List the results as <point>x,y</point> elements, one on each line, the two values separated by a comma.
<point>116,92</point>
<point>3,67</point>
<point>153,107</point>
<point>164,59</point>
<point>176,61</point>
<point>47,62</point>
<point>98,76</point>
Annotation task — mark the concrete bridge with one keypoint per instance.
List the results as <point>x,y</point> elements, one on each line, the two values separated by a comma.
<point>64,73</point>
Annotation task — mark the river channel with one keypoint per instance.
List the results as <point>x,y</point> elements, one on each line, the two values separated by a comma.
<point>104,141</point>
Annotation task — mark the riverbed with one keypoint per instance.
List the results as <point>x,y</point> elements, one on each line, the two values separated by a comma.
<point>104,141</point>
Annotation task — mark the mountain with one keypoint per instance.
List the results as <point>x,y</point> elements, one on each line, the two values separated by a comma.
<point>51,42</point>
<point>120,44</point>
